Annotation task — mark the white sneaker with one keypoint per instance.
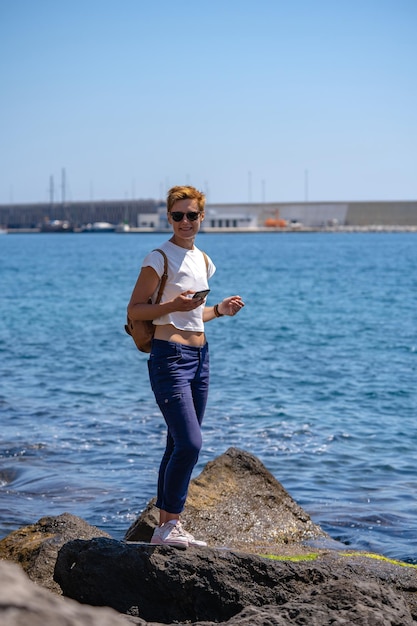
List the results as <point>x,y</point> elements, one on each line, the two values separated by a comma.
<point>170,535</point>
<point>192,541</point>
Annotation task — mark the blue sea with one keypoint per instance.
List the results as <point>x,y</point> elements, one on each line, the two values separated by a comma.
<point>316,377</point>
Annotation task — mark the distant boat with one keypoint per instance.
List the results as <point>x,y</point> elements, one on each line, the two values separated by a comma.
<point>276,221</point>
<point>57,226</point>
<point>122,228</point>
<point>99,227</point>
<point>271,222</point>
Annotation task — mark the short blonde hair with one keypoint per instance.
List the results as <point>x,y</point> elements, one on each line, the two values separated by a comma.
<point>181,192</point>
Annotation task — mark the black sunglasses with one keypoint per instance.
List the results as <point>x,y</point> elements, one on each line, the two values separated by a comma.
<point>192,216</point>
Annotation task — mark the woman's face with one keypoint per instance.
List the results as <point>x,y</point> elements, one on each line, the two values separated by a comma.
<point>186,229</point>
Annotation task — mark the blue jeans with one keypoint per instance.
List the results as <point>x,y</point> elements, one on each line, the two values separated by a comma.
<point>179,378</point>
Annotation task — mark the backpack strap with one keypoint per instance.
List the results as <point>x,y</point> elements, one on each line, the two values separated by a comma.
<point>163,277</point>
<point>130,325</point>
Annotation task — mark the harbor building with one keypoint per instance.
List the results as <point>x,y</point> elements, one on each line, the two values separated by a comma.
<point>150,215</point>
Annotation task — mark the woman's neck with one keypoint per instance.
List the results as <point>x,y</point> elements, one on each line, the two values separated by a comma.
<point>183,243</point>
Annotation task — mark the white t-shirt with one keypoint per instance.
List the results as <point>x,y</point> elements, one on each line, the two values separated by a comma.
<point>187,270</point>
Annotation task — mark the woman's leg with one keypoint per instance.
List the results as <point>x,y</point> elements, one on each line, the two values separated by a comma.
<point>179,460</point>
<point>179,377</point>
<point>164,516</point>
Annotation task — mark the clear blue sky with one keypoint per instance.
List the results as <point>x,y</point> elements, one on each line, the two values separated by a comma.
<point>269,100</point>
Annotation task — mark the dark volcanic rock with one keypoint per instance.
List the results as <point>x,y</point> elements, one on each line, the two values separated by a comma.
<point>236,502</point>
<point>161,584</point>
<point>36,547</point>
<point>22,603</point>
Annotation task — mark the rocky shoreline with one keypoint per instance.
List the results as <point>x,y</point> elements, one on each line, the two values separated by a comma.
<point>266,564</point>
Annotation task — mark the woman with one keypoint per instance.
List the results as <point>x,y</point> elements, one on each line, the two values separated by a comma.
<point>179,359</point>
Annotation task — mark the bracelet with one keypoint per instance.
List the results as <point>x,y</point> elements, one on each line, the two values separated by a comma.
<point>216,311</point>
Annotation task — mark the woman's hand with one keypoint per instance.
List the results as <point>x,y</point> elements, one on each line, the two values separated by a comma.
<point>185,302</point>
<point>230,305</point>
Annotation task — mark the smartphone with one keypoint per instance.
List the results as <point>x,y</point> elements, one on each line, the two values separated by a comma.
<point>201,294</point>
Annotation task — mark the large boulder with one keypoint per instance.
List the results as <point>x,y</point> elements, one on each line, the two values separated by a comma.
<point>237,503</point>
<point>35,547</point>
<point>206,586</point>
<point>244,513</point>
<point>22,603</point>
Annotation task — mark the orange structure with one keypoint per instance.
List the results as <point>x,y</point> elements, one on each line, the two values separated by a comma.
<point>276,222</point>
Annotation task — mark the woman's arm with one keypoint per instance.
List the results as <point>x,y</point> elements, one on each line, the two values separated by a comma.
<point>139,307</point>
<point>229,306</point>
